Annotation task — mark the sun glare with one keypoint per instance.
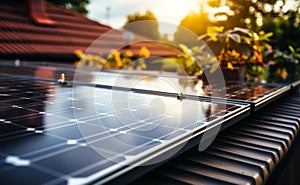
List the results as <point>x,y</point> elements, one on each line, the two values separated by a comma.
<point>168,11</point>
<point>173,11</point>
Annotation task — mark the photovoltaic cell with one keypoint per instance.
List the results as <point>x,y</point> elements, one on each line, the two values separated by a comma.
<point>254,92</point>
<point>61,135</point>
<point>46,131</point>
<point>189,86</point>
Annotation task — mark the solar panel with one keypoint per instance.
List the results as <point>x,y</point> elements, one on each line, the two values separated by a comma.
<point>41,134</point>
<point>247,92</point>
<point>155,81</point>
<point>57,134</point>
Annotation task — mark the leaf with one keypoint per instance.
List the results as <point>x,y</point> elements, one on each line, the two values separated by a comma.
<point>189,63</point>
<point>297,55</point>
<point>198,59</point>
<point>291,49</point>
<point>214,67</point>
<point>195,49</point>
<point>243,30</point>
<point>142,64</point>
<point>235,37</point>
<point>172,59</point>
<point>284,74</point>
<point>184,48</point>
<point>78,52</point>
<point>235,54</point>
<point>213,30</point>
<point>247,40</point>
<point>230,66</point>
<point>266,36</point>
<point>144,52</point>
<point>255,36</point>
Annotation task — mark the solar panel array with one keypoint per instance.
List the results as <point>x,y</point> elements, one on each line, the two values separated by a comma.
<point>51,134</point>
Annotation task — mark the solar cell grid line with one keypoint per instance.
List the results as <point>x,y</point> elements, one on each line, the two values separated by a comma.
<point>257,93</point>
<point>63,140</point>
<point>100,113</point>
<point>232,88</point>
<point>66,139</point>
<point>269,158</point>
<point>193,97</point>
<point>108,78</point>
<point>31,100</point>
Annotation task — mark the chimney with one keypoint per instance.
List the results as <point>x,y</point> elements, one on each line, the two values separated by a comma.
<point>38,14</point>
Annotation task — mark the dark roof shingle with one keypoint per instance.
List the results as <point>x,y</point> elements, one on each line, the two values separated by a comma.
<point>20,37</point>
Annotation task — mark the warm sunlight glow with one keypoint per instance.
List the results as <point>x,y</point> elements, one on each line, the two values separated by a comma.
<point>173,11</point>
<point>114,12</point>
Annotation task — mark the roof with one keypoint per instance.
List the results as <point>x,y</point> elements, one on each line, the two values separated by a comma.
<point>35,111</point>
<point>249,153</point>
<point>20,37</point>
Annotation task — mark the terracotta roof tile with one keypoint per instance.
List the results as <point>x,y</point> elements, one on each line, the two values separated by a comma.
<point>20,37</point>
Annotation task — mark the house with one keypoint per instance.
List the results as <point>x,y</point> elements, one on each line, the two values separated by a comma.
<point>33,29</point>
<point>40,142</point>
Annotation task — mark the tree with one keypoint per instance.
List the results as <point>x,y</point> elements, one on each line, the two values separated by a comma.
<point>249,13</point>
<point>286,29</point>
<point>258,15</point>
<point>147,28</point>
<point>266,16</point>
<point>77,5</point>
<point>193,22</point>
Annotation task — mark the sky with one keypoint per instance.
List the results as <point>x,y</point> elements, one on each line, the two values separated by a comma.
<point>169,11</point>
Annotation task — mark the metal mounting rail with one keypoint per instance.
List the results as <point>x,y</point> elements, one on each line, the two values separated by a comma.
<point>255,105</point>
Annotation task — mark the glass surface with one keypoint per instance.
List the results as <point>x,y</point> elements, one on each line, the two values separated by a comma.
<point>65,131</point>
<point>189,86</point>
<point>78,130</point>
<point>147,80</point>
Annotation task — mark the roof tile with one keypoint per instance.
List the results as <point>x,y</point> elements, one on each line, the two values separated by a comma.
<point>21,37</point>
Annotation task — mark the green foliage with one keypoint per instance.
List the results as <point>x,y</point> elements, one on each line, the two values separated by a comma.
<point>114,60</point>
<point>213,31</point>
<point>77,5</point>
<point>147,28</point>
<point>238,47</point>
<point>283,65</point>
<point>283,23</point>
<point>285,28</point>
<point>193,60</point>
<point>246,12</point>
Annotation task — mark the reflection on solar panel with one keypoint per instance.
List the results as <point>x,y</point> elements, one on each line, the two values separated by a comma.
<point>56,135</point>
<point>235,90</point>
<point>39,130</point>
